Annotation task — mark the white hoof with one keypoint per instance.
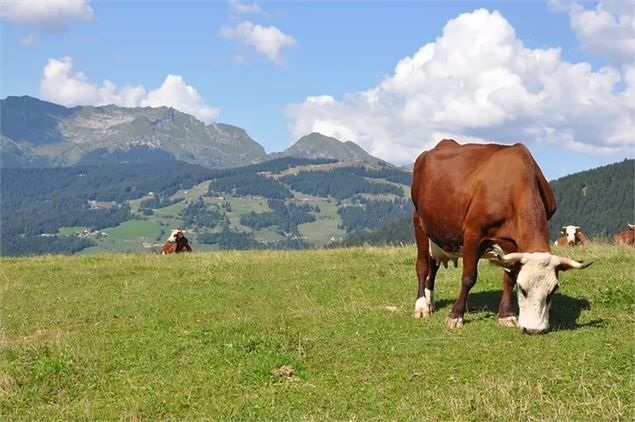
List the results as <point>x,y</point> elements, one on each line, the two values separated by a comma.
<point>424,306</point>
<point>454,322</point>
<point>510,321</point>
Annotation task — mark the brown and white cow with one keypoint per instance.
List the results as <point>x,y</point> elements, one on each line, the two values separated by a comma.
<point>626,237</point>
<point>176,243</point>
<point>570,236</point>
<point>486,200</point>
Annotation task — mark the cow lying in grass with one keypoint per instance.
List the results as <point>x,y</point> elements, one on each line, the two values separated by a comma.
<point>176,243</point>
<point>570,236</point>
<point>626,237</point>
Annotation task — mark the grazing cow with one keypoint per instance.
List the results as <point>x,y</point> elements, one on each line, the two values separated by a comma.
<point>492,201</point>
<point>570,236</point>
<point>626,237</point>
<point>176,243</point>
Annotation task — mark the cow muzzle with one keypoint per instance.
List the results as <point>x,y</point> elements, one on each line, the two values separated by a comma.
<point>533,331</point>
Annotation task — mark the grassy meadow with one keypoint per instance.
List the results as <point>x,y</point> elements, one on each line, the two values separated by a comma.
<point>203,335</point>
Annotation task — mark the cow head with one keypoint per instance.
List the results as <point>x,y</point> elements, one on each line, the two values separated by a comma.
<point>537,282</point>
<point>174,235</point>
<point>573,233</point>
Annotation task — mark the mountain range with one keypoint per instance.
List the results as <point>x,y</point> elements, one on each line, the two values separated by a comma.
<point>36,133</point>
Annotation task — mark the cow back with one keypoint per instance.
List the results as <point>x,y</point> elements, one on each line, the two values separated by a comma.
<point>626,237</point>
<point>495,190</point>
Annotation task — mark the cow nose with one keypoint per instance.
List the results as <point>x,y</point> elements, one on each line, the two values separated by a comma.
<point>532,331</point>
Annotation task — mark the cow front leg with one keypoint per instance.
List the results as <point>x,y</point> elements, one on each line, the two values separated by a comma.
<point>468,279</point>
<point>506,315</point>
<point>425,302</point>
<point>424,305</point>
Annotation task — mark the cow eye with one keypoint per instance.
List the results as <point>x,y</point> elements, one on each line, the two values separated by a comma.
<point>553,292</point>
<point>523,291</point>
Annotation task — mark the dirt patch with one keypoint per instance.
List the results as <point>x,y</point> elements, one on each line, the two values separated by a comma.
<point>285,371</point>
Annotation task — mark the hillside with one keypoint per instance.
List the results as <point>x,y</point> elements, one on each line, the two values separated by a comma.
<point>286,203</point>
<point>316,145</point>
<point>204,335</point>
<point>601,201</point>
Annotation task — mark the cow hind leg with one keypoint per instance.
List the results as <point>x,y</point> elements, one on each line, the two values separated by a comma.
<point>506,315</point>
<point>426,270</point>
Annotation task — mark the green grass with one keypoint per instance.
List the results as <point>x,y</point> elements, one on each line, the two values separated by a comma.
<point>134,229</point>
<point>194,336</point>
<point>325,227</point>
<point>171,210</point>
<point>129,236</point>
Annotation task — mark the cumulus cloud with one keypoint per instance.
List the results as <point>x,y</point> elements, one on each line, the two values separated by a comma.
<point>268,41</point>
<point>63,86</point>
<point>239,8</point>
<point>46,15</point>
<point>176,93</point>
<point>477,82</point>
<point>608,30</point>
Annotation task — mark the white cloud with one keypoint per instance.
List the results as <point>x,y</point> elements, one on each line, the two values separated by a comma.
<point>245,8</point>
<point>477,81</point>
<point>45,15</point>
<point>608,30</point>
<point>176,93</point>
<point>60,85</point>
<point>27,41</point>
<point>269,41</point>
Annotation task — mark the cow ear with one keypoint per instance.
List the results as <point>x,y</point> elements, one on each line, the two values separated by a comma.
<point>563,229</point>
<point>568,264</point>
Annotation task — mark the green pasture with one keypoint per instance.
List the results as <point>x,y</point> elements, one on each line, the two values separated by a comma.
<point>134,229</point>
<point>171,210</point>
<point>129,236</point>
<point>205,335</point>
<point>325,226</point>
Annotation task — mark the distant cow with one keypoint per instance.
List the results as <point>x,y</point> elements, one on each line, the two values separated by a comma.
<point>626,237</point>
<point>486,200</point>
<point>176,243</point>
<point>570,236</point>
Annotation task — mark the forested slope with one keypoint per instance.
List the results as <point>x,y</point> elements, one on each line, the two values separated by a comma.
<point>600,201</point>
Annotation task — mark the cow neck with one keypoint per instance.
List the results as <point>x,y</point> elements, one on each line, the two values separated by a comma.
<point>533,230</point>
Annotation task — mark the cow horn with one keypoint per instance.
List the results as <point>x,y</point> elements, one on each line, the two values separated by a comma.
<point>632,226</point>
<point>568,263</point>
<point>507,259</point>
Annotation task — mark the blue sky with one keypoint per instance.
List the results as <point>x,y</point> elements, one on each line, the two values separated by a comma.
<point>283,69</point>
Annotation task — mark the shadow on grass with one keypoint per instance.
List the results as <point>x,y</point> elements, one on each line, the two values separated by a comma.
<point>565,310</point>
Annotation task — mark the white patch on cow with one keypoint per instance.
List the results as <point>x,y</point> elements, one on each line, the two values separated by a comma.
<point>442,257</point>
<point>510,321</point>
<point>570,231</point>
<point>172,237</point>
<point>421,308</point>
<point>536,279</point>
<point>424,306</point>
<point>454,322</point>
<point>429,294</point>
